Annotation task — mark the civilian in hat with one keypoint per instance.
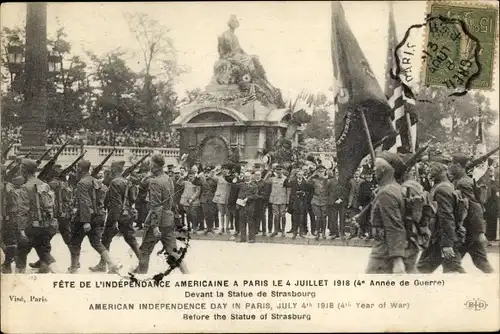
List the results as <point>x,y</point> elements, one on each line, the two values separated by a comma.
<point>160,224</point>
<point>221,196</point>
<point>261,203</point>
<point>445,240</point>
<point>278,198</point>
<point>121,213</point>
<point>475,226</point>
<point>247,195</point>
<point>89,219</point>
<point>388,253</point>
<point>336,207</point>
<point>353,204</point>
<point>208,185</point>
<point>36,223</point>
<point>190,200</point>
<point>298,201</point>
<point>318,182</point>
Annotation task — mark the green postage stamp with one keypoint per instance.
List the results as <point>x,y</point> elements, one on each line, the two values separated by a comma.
<point>460,45</point>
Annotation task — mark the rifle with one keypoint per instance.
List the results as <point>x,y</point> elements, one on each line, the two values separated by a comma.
<point>44,173</point>
<point>414,158</point>
<point>7,149</point>
<point>131,168</point>
<point>39,160</point>
<point>70,167</point>
<point>13,167</point>
<point>481,159</point>
<point>98,168</point>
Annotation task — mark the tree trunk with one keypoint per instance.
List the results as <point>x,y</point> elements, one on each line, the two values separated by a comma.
<point>34,119</point>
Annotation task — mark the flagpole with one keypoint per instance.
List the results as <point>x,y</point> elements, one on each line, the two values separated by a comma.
<point>368,136</point>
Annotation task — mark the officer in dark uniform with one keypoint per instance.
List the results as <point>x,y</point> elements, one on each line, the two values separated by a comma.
<point>89,217</point>
<point>10,235</point>
<point>121,213</point>
<point>388,253</point>
<point>445,238</point>
<point>160,222</point>
<point>37,224</point>
<point>475,226</point>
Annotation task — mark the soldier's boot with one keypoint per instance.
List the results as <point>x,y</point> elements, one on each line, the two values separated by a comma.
<point>113,267</point>
<point>35,265</point>
<point>273,234</point>
<point>75,264</point>
<point>294,236</point>
<point>6,268</point>
<point>10,255</point>
<point>100,267</point>
<point>45,268</point>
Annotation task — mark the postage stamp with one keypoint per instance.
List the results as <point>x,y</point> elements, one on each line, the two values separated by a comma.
<point>460,45</point>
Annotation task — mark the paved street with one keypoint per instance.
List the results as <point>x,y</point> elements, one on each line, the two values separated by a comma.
<point>223,257</point>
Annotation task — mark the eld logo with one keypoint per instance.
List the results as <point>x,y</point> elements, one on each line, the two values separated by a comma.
<point>475,305</point>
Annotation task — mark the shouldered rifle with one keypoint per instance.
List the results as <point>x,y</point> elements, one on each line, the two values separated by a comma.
<point>481,159</point>
<point>7,149</point>
<point>131,168</point>
<point>72,166</point>
<point>99,167</point>
<point>414,158</point>
<point>44,173</point>
<point>44,155</point>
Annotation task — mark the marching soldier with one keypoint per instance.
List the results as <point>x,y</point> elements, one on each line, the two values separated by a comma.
<point>160,222</point>
<point>10,236</point>
<point>89,217</point>
<point>475,239</point>
<point>121,213</point>
<point>37,224</point>
<point>141,203</point>
<point>447,235</point>
<point>388,253</point>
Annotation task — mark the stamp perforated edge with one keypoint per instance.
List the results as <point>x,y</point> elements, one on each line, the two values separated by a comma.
<point>479,4</point>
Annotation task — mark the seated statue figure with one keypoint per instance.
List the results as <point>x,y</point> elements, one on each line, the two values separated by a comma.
<point>235,66</point>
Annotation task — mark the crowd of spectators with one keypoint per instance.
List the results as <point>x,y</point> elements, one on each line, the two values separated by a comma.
<point>135,138</point>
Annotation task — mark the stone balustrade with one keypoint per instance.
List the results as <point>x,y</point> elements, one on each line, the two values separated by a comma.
<point>95,154</point>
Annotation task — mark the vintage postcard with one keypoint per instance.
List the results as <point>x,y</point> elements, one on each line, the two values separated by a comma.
<point>241,167</point>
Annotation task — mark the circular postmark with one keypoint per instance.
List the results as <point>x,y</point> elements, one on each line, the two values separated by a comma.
<point>450,56</point>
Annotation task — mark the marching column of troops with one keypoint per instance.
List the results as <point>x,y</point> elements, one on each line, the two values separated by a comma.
<point>439,216</point>
<point>78,204</point>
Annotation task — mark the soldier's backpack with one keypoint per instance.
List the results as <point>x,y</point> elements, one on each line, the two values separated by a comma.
<point>460,208</point>
<point>44,203</point>
<point>416,227</point>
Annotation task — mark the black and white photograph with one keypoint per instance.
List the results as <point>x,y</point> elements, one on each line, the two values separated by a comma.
<point>249,166</point>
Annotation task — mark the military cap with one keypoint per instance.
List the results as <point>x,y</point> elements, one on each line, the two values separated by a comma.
<point>243,163</point>
<point>84,164</point>
<point>118,164</point>
<point>29,165</point>
<point>18,180</point>
<point>442,159</point>
<point>257,165</point>
<point>158,159</point>
<point>170,166</point>
<point>177,170</point>
<point>460,158</point>
<point>394,160</point>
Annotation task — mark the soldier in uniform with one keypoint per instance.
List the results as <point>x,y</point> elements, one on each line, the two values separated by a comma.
<point>36,223</point>
<point>445,238</point>
<point>10,236</point>
<point>141,203</point>
<point>388,253</point>
<point>121,213</point>
<point>475,226</point>
<point>89,217</point>
<point>160,222</point>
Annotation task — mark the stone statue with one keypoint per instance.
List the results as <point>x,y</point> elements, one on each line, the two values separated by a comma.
<point>235,66</point>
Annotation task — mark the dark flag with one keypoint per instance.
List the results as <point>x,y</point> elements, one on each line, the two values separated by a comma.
<point>358,90</point>
<point>400,103</point>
